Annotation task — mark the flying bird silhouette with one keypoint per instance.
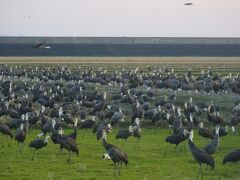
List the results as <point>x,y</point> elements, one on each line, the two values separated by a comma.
<point>188,4</point>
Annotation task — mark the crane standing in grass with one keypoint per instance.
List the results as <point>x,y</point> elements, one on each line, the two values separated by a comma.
<point>118,157</point>
<point>67,143</point>
<point>211,147</point>
<point>5,130</point>
<point>38,144</point>
<point>199,155</point>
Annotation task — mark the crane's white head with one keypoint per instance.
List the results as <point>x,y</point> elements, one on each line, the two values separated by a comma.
<point>201,125</point>
<point>21,126</point>
<point>43,109</point>
<point>168,116</point>
<point>185,132</point>
<point>46,139</point>
<point>179,111</point>
<point>53,123</point>
<point>60,131</point>
<point>104,134</point>
<point>137,121</point>
<point>190,99</point>
<point>191,117</point>
<point>217,129</point>
<point>76,122</point>
<point>106,156</point>
<point>104,95</point>
<point>109,127</point>
<point>191,135</point>
<point>130,129</point>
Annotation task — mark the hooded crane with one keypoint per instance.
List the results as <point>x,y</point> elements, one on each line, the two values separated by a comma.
<point>137,131</point>
<point>205,132</point>
<point>211,147</point>
<point>20,137</point>
<point>67,143</point>
<point>38,144</point>
<point>233,156</point>
<point>177,123</point>
<point>21,134</point>
<point>118,157</point>
<point>125,133</point>
<point>5,130</point>
<point>73,135</point>
<point>199,155</point>
<point>176,139</point>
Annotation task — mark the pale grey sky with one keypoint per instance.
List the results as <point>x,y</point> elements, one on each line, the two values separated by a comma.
<point>162,18</point>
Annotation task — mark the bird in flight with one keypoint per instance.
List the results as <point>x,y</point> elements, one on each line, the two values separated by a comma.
<point>188,4</point>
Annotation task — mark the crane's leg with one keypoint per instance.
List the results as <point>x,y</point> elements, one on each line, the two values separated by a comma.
<point>119,172</point>
<point>138,143</point>
<point>7,141</point>
<point>33,154</point>
<point>200,170</point>
<point>69,158</point>
<point>165,154</point>
<point>206,171</point>
<point>114,169</point>
<point>2,141</point>
<point>19,147</point>
<point>37,154</point>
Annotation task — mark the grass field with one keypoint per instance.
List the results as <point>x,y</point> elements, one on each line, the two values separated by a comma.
<point>147,163</point>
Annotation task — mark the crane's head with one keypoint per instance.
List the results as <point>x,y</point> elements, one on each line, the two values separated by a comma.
<point>185,132</point>
<point>179,111</point>
<point>190,99</point>
<point>130,129</point>
<point>104,134</point>
<point>60,131</point>
<point>137,121</point>
<point>191,134</point>
<point>106,156</point>
<point>217,129</point>
<point>104,95</point>
<point>109,127</point>
<point>53,123</point>
<point>21,126</point>
<point>201,125</point>
<point>46,139</point>
<point>191,117</point>
<point>76,122</point>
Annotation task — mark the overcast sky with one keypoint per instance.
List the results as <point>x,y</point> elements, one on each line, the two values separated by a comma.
<point>160,18</point>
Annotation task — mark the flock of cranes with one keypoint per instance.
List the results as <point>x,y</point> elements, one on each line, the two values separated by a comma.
<point>51,99</point>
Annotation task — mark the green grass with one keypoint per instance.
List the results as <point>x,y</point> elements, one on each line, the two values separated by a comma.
<point>147,163</point>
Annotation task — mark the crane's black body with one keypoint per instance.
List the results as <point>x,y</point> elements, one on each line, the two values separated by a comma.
<point>233,156</point>
<point>118,157</point>
<point>200,155</point>
<point>123,134</point>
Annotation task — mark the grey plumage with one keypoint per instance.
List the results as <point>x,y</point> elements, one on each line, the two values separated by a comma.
<point>118,157</point>
<point>211,147</point>
<point>233,156</point>
<point>200,155</point>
